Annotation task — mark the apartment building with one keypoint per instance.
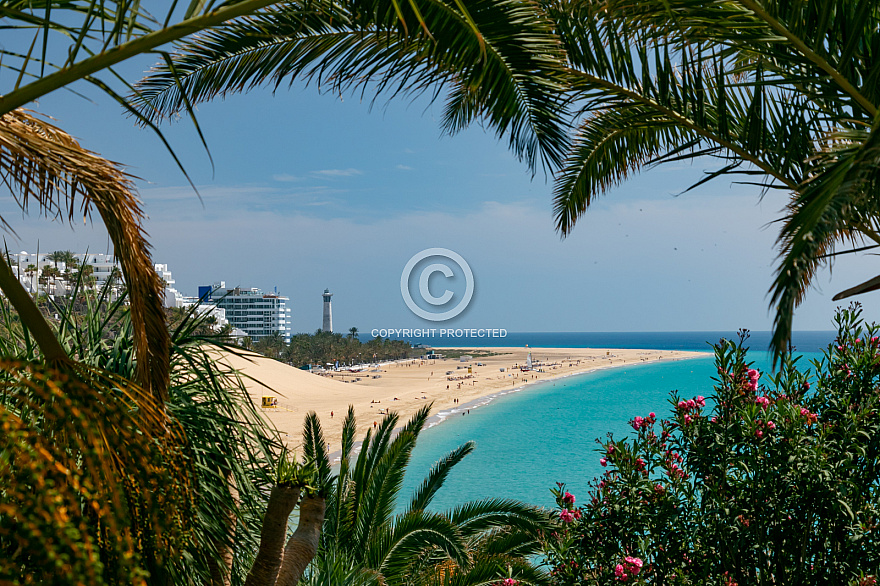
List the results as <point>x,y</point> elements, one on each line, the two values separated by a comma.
<point>257,313</point>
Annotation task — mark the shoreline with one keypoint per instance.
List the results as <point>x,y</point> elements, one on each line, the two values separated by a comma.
<point>442,415</point>
<point>452,384</point>
<point>485,400</point>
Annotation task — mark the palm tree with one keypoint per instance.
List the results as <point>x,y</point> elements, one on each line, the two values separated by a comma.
<point>91,434</point>
<point>30,271</point>
<point>365,542</point>
<point>64,256</point>
<point>782,94</point>
<point>352,333</point>
<point>499,61</point>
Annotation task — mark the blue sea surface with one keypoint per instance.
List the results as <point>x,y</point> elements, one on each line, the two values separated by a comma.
<point>527,441</point>
<point>803,341</point>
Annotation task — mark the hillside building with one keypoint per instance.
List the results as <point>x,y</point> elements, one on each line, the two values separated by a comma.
<point>257,313</point>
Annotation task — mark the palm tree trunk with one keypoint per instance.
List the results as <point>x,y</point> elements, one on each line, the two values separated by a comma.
<point>30,315</point>
<point>282,501</point>
<point>303,544</point>
<point>221,572</point>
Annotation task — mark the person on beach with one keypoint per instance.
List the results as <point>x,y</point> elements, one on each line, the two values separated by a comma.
<point>331,415</point>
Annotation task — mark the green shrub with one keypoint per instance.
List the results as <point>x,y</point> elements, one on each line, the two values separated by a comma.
<point>769,480</point>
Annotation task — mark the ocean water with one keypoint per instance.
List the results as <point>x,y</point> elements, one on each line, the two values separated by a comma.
<point>527,441</point>
<point>804,341</point>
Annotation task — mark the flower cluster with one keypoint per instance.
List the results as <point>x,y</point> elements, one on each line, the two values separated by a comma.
<point>759,432</point>
<point>629,568</point>
<point>567,515</point>
<point>811,417</point>
<point>639,423</point>
<point>753,375</point>
<point>691,408</point>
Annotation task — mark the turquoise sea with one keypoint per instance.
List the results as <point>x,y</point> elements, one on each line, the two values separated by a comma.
<point>531,439</point>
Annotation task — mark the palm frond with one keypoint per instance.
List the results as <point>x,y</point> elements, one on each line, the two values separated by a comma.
<point>41,163</point>
<point>486,52</point>
<point>437,476</point>
<point>837,204</point>
<point>393,552</point>
<point>84,462</point>
<point>315,452</point>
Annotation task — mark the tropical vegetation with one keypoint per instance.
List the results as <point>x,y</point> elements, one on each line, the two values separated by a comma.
<point>370,538</point>
<point>323,348</point>
<point>151,511</point>
<point>135,457</point>
<point>781,94</point>
<point>768,479</point>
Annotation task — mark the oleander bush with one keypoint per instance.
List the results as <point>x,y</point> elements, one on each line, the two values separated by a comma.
<point>770,479</point>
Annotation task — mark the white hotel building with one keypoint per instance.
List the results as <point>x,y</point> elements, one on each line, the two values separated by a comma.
<point>102,267</point>
<point>257,313</point>
<point>250,311</point>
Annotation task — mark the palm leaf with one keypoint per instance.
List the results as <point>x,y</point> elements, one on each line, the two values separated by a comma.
<point>437,476</point>
<point>485,52</point>
<point>40,163</point>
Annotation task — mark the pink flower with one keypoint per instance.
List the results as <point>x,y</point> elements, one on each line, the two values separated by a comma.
<point>764,402</point>
<point>806,386</point>
<point>509,582</point>
<point>840,348</point>
<point>568,498</point>
<point>610,448</point>
<point>637,423</point>
<point>753,374</point>
<point>701,401</point>
<point>759,433</point>
<point>566,516</point>
<point>771,425</point>
<point>659,488</point>
<point>858,340</point>
<point>651,415</point>
<point>640,464</point>
<point>604,462</point>
<point>635,564</point>
<point>688,419</point>
<point>576,514</point>
<point>691,404</point>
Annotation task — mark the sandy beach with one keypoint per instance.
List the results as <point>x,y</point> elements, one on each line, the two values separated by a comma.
<point>406,386</point>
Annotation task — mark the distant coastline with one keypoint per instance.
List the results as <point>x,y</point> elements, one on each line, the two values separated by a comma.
<point>484,401</point>
<point>408,385</point>
<point>697,341</point>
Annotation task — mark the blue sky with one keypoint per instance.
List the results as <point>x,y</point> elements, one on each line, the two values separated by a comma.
<point>311,191</point>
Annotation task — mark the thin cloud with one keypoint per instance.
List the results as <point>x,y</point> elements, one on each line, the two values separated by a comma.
<point>404,167</point>
<point>339,172</point>
<point>285,177</point>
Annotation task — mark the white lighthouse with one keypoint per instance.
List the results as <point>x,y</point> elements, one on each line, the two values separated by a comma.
<point>328,312</point>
